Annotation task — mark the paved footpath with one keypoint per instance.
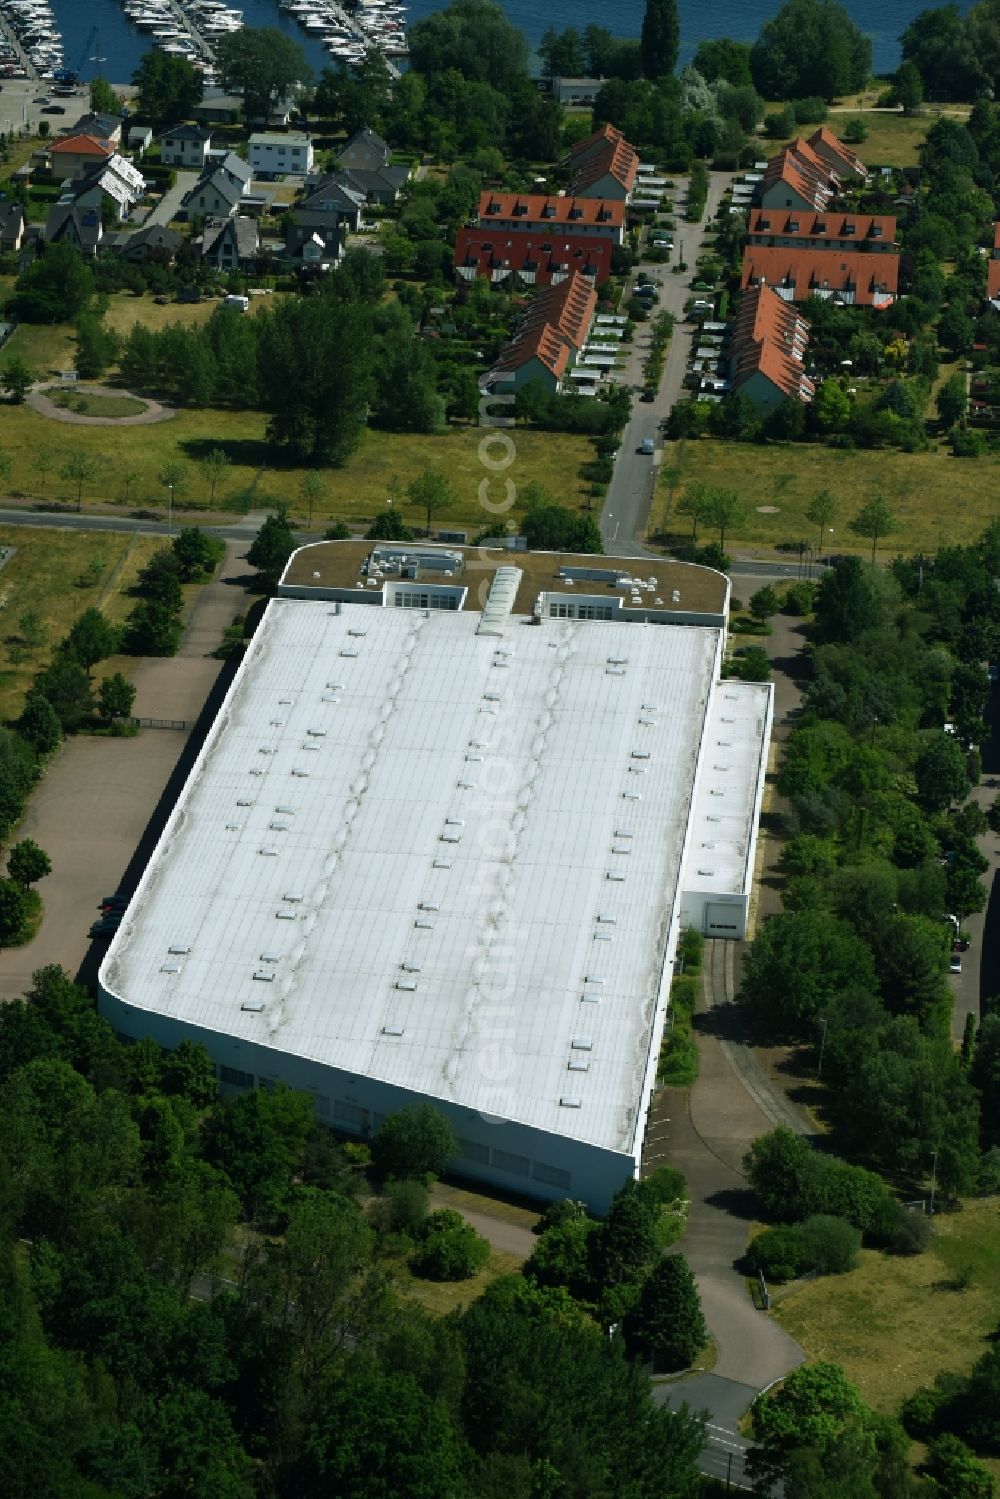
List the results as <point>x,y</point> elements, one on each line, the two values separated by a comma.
<point>97,796</point>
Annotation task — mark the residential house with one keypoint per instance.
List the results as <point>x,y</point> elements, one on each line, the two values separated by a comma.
<point>106,127</point>
<point>220,189</point>
<point>849,277</point>
<point>852,258</point>
<point>381,185</point>
<point>216,107</point>
<point>366,150</point>
<point>605,165</point>
<point>993,267</point>
<point>330,195</point>
<point>840,158</point>
<point>314,238</point>
<point>75,155</point>
<point>230,244</point>
<point>767,354</point>
<point>539,239</point>
<point>576,90</point>
<point>186,146</point>
<point>140,138</point>
<point>157,243</point>
<point>836,230</point>
<point>74,224</point>
<point>798,178</point>
<point>12,223</point>
<point>117,182</point>
<point>275,155</point>
<point>550,337</point>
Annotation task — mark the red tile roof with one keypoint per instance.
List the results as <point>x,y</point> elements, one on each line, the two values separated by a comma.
<point>993,279</point>
<point>536,208</point>
<point>557,321</point>
<point>799,168</point>
<point>996,236</point>
<point>538,250</point>
<point>769,338</point>
<point>604,153</point>
<point>869,277</point>
<point>807,225</point>
<point>825,143</point>
<point>82,145</point>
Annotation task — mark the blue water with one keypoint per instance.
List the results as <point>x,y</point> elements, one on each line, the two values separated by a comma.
<point>122,46</point>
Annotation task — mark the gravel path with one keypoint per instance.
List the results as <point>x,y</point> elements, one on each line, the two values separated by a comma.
<point>40,402</point>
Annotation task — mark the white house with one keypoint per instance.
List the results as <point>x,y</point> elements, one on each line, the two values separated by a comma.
<point>186,146</point>
<point>273,154</point>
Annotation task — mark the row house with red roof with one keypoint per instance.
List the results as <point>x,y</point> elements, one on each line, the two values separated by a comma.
<point>767,356</point>
<point>993,270</point>
<point>549,338</point>
<point>539,239</point>
<point>605,165</point>
<point>803,245</point>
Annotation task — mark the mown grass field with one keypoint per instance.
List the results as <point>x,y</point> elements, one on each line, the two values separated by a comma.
<point>39,446</point>
<point>892,140</point>
<point>59,574</point>
<point>893,1323</point>
<point>130,460</point>
<point>937,499</point>
<point>442,1297</point>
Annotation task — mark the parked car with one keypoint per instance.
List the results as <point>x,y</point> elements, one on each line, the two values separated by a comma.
<point>113,903</point>
<point>54,109</point>
<point>106,926</point>
<point>647,447</point>
<point>955,965</point>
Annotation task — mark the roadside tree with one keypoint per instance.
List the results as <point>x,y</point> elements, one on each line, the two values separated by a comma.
<point>667,1324</point>
<point>873,521</point>
<point>27,863</point>
<point>115,697</point>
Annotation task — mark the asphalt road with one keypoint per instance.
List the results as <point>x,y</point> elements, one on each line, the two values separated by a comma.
<point>237,530</point>
<point>626,508</point>
<point>726,1401</point>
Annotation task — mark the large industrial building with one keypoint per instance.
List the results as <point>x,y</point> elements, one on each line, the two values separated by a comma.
<point>441,840</point>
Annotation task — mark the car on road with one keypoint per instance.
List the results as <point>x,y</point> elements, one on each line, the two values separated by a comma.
<point>113,903</point>
<point>42,99</point>
<point>647,447</point>
<point>955,964</point>
<point>54,109</point>
<point>648,395</point>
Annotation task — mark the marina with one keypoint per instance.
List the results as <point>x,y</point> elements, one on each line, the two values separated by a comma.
<point>348,34</point>
<point>30,42</point>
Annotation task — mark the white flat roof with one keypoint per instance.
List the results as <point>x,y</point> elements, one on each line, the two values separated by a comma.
<point>462,829</point>
<point>725,811</point>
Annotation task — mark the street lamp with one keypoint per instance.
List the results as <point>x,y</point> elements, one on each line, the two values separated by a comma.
<point>829,547</point>
<point>822,1043</point>
<point>170,510</point>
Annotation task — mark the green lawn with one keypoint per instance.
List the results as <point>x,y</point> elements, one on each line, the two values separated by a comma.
<point>936,498</point>
<point>59,574</point>
<point>96,403</point>
<point>39,445</point>
<point>354,492</point>
<point>895,1322</point>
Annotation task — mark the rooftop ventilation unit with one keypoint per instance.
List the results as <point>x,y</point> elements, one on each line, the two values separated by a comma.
<point>607,918</point>
<point>354,630</point>
<point>179,947</point>
<point>302,774</point>
<point>632,796</point>
<point>170,968</point>
<point>284,702</point>
<point>278,827</point>
<point>410,967</point>
<point>268,853</point>
<point>254,1005</point>
<point>270,957</point>
<point>335,686</point>
<point>592,978</point>
<point>603,937</point>
<point>451,838</point>
<point>424,923</point>
<point>263,976</point>
<point>316,733</point>
<point>570,1101</point>
<point>640,754</point>
<point>466,785</point>
<point>233,827</point>
<point>578,1064</point>
<point>408,984</point>
<point>278,723</point>
<point>623,833</point>
<point>346,651</point>
<point>256,772</point>
<point>589,999</point>
<point>458,822</point>
<point>614,671</point>
<point>285,915</point>
<point>582,1043</point>
<point>429,905</point>
<point>392,1030</point>
<point>493,697</point>
<point>441,864</point>
<point>617,875</point>
<point>292,896</point>
<point>243,801</point>
<point>286,811</point>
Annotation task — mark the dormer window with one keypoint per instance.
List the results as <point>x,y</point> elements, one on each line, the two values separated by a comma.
<point>493,208</point>
<point>875,232</point>
<point>576,213</point>
<point>520,209</point>
<point>819,228</point>
<point>793,226</point>
<point>549,211</point>
<point>850,228</point>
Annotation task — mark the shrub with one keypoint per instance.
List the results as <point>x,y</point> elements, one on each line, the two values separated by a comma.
<point>829,1245</point>
<point>776,1252</point>
<point>402,1208</point>
<point>451,1248</point>
<point>799,599</point>
<point>413,1143</point>
<point>809,111</point>
<point>966,443</point>
<point>668,1184</point>
<point>908,1231</point>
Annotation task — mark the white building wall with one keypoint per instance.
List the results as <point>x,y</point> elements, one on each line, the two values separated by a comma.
<point>510,1156</point>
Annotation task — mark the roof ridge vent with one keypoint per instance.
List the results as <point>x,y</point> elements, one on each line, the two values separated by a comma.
<point>500,603</point>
